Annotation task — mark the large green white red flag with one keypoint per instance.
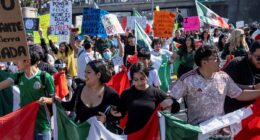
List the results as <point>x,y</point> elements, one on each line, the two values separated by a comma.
<point>208,16</point>
<point>162,126</point>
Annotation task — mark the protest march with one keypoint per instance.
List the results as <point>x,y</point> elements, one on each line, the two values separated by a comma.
<point>133,77</point>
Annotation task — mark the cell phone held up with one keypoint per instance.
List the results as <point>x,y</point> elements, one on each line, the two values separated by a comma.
<point>74,30</point>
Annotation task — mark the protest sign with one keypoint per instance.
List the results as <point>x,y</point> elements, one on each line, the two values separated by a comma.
<point>112,25</point>
<point>61,17</point>
<point>163,23</point>
<point>191,23</point>
<point>92,24</point>
<point>44,24</point>
<point>13,44</point>
<point>240,24</point>
<point>131,22</point>
<point>31,24</point>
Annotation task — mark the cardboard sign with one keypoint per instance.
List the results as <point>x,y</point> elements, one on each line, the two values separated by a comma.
<point>92,24</point>
<point>191,23</point>
<point>13,44</point>
<point>61,17</point>
<point>31,24</point>
<point>163,23</point>
<point>131,22</point>
<point>240,24</point>
<point>112,25</point>
<point>44,24</point>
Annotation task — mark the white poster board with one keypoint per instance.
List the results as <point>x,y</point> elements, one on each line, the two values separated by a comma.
<point>131,22</point>
<point>112,25</point>
<point>60,18</point>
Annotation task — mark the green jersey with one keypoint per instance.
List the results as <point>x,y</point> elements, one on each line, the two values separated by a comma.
<point>31,90</point>
<point>186,58</point>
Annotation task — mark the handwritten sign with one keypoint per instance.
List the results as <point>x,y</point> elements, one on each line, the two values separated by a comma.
<point>44,24</point>
<point>131,22</point>
<point>191,23</point>
<point>13,45</point>
<point>163,23</point>
<point>112,25</point>
<point>31,24</point>
<point>61,17</point>
<point>92,24</point>
<point>240,24</point>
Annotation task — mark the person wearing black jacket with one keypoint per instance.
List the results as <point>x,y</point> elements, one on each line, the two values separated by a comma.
<point>140,100</point>
<point>43,51</point>
<point>245,71</point>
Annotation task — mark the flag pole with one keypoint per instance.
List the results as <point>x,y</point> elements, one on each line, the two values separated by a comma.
<point>152,8</point>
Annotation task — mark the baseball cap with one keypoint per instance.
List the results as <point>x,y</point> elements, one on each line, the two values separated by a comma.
<point>78,38</point>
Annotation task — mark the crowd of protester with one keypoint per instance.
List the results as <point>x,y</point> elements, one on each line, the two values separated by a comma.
<point>89,63</point>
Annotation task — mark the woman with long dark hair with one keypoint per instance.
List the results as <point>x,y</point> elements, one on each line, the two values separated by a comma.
<point>186,56</point>
<point>222,41</point>
<point>206,39</point>
<point>141,100</point>
<point>94,97</point>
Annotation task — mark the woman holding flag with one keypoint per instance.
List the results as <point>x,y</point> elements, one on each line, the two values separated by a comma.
<point>94,98</point>
<point>141,100</point>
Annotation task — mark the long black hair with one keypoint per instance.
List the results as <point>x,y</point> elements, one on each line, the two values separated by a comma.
<point>67,47</point>
<point>184,48</point>
<point>220,44</point>
<point>99,66</point>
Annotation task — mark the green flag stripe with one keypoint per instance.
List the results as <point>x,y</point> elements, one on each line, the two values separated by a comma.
<point>142,38</point>
<point>177,129</point>
<point>67,129</point>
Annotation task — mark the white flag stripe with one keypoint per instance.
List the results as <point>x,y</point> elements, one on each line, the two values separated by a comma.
<point>162,126</point>
<point>257,32</point>
<point>226,120</point>
<point>98,131</point>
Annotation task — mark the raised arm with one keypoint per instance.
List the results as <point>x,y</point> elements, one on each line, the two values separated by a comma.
<point>72,41</point>
<point>44,46</point>
<point>120,46</point>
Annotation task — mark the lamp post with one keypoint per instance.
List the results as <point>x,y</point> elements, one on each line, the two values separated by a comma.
<point>152,7</point>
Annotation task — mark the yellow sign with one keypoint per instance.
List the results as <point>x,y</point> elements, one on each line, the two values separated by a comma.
<point>44,24</point>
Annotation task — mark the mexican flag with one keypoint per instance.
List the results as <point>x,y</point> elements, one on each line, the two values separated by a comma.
<point>142,39</point>
<point>92,129</point>
<point>249,127</point>
<point>161,126</point>
<point>165,127</point>
<point>19,125</point>
<point>208,16</point>
<point>256,35</point>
